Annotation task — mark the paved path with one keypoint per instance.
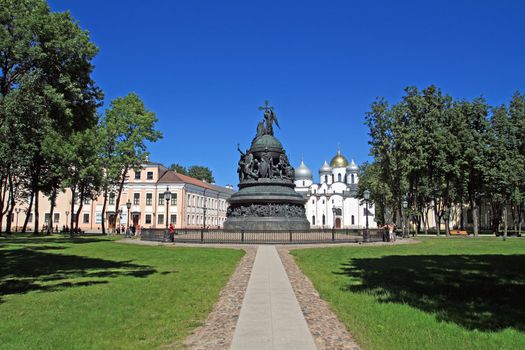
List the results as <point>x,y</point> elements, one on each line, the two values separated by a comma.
<point>270,315</point>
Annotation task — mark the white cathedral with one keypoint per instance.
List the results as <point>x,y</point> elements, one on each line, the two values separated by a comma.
<point>332,201</point>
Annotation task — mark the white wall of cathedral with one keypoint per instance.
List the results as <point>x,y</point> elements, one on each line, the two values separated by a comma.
<point>353,213</point>
<point>352,178</point>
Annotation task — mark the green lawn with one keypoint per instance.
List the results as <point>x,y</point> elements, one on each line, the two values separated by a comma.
<point>97,294</point>
<point>458,293</point>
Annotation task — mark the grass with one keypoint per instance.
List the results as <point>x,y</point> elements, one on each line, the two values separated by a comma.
<point>96,294</point>
<point>459,293</point>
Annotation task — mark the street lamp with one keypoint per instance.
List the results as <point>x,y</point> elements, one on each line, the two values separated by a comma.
<point>17,210</point>
<point>128,205</point>
<point>366,195</point>
<point>405,206</point>
<point>167,197</point>
<point>333,221</point>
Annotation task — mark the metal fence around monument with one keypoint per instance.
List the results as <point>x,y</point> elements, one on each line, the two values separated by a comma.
<point>262,237</point>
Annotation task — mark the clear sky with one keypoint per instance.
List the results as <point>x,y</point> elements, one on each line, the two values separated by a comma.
<point>205,66</point>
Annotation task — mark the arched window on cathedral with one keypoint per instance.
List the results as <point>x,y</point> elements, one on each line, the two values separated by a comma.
<point>353,220</point>
<point>333,178</point>
<point>303,183</point>
<point>324,220</point>
<point>339,177</point>
<point>313,219</point>
<point>326,178</point>
<point>352,178</point>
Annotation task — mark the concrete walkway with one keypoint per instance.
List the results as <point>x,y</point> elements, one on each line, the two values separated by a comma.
<point>270,315</point>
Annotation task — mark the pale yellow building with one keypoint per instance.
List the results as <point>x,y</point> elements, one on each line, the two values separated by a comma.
<point>194,203</point>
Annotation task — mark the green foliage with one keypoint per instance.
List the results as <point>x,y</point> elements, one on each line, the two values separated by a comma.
<point>125,129</point>
<point>201,173</point>
<point>439,153</point>
<point>45,86</point>
<point>178,168</point>
<point>439,294</point>
<point>93,293</point>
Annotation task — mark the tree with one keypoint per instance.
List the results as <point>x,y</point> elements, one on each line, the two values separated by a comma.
<point>125,128</point>
<point>45,85</point>
<point>178,168</point>
<point>201,173</point>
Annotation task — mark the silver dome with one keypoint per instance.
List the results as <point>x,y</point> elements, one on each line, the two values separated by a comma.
<point>352,167</point>
<point>302,172</point>
<point>325,168</point>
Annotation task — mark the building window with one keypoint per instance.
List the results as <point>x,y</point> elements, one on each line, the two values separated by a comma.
<point>149,175</point>
<point>326,178</point>
<point>148,219</point>
<point>160,219</point>
<point>161,198</point>
<point>324,220</point>
<point>188,220</point>
<point>313,219</point>
<point>173,219</point>
<point>313,201</point>
<point>111,198</point>
<point>353,220</point>
<point>30,217</point>
<point>47,217</point>
<point>136,198</point>
<point>352,178</point>
<point>149,198</point>
<point>85,218</point>
<point>174,199</point>
<point>137,175</point>
<point>86,200</point>
<point>303,183</point>
<point>323,201</point>
<point>56,217</point>
<point>333,178</point>
<point>339,177</point>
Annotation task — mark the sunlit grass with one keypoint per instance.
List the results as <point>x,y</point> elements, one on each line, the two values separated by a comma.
<point>460,293</point>
<point>98,294</point>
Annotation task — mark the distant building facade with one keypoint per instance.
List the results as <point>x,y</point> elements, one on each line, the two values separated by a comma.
<point>332,202</point>
<point>194,203</point>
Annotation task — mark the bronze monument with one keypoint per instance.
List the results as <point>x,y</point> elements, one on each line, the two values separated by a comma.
<point>266,199</point>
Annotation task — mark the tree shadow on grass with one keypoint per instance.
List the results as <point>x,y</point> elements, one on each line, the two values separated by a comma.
<point>483,292</point>
<point>31,269</point>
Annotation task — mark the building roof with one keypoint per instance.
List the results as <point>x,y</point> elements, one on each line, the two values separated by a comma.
<point>171,176</point>
<point>339,161</point>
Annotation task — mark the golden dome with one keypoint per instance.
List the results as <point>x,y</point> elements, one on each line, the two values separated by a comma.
<point>339,161</point>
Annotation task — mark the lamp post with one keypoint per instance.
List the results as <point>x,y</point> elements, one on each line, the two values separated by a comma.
<point>17,210</point>
<point>204,212</point>
<point>128,205</point>
<point>334,211</point>
<point>366,195</point>
<point>167,197</point>
<point>405,206</point>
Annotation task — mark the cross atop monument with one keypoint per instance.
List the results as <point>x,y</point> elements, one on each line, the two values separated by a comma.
<point>266,107</point>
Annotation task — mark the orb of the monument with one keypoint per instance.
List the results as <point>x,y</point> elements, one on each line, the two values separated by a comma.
<point>266,199</point>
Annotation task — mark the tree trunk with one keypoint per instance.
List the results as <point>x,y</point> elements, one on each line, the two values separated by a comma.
<point>10,205</point>
<point>37,222</point>
<point>117,202</point>
<point>474,209</point>
<point>52,203</point>
<point>79,210</point>
<point>72,210</point>
<point>3,200</point>
<point>104,211</point>
<point>28,211</point>
<point>437,218</point>
<point>505,222</point>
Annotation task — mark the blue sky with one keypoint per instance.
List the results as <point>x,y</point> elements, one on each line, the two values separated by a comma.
<point>205,66</point>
